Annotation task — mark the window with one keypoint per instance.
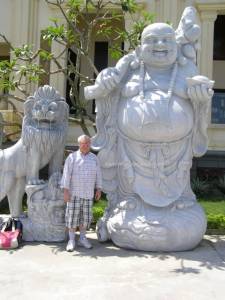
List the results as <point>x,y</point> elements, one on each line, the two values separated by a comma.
<point>100,60</point>
<point>101,55</point>
<point>71,61</point>
<point>218,107</point>
<point>218,101</point>
<point>219,38</point>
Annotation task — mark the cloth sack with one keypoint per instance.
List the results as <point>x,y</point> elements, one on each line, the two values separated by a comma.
<point>10,234</point>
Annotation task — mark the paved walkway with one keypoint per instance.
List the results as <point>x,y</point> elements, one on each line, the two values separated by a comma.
<point>46,271</point>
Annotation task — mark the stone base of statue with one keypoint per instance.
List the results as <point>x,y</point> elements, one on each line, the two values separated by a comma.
<point>45,219</point>
<point>135,225</point>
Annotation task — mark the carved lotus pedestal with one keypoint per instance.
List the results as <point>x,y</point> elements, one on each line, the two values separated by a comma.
<point>135,225</point>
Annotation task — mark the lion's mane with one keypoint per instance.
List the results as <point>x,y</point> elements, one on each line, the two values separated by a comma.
<point>45,139</point>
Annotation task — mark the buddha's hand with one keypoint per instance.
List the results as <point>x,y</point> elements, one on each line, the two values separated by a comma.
<point>105,82</point>
<point>200,89</point>
<point>109,78</point>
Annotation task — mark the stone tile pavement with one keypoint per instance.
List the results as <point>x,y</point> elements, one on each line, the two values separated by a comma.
<point>47,271</point>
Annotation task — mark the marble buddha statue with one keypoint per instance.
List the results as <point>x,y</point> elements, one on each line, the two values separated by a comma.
<point>152,113</point>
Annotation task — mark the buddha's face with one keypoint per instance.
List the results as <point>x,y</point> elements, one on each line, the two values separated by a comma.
<point>158,45</point>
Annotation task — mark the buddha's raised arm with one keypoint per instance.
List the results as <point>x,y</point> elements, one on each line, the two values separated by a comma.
<point>109,78</point>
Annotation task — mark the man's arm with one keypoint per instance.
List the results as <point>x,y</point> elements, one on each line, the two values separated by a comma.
<point>65,181</point>
<point>98,194</point>
<point>66,194</point>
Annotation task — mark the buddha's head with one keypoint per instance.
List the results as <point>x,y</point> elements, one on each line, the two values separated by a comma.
<point>158,45</point>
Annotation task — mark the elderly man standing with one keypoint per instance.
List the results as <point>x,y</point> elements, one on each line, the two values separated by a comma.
<point>81,176</point>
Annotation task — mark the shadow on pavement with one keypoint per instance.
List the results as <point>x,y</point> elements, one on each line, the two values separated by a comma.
<point>210,253</point>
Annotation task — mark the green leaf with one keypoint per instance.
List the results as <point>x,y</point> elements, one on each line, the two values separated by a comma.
<point>45,55</point>
<point>116,53</point>
<point>129,6</point>
<point>148,17</point>
<point>54,20</point>
<point>26,51</point>
<point>53,33</point>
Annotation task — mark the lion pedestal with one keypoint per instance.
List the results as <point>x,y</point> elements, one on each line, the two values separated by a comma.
<point>45,220</point>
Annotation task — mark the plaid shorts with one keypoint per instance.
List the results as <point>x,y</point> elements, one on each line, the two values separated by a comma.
<point>78,212</point>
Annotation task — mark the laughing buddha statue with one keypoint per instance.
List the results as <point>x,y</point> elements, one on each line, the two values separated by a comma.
<point>152,113</point>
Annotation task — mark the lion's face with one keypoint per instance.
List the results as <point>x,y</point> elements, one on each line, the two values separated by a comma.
<point>46,112</point>
<point>46,108</point>
<point>45,120</point>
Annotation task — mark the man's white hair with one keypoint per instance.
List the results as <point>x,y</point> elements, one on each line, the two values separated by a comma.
<point>83,137</point>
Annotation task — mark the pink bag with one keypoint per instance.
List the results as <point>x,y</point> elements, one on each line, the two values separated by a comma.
<point>10,234</point>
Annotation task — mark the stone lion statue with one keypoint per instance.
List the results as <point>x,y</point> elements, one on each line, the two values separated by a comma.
<point>42,142</point>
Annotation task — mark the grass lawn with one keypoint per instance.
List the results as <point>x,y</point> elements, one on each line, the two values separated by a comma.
<point>215,212</point>
<point>213,207</point>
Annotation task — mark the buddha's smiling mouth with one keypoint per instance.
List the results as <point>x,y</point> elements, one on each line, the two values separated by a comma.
<point>160,52</point>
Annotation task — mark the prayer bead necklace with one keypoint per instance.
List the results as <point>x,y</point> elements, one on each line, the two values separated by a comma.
<point>142,79</point>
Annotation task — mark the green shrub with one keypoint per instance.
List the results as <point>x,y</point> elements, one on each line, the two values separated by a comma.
<point>200,187</point>
<point>98,210</point>
<point>221,184</point>
<point>216,221</point>
<point>4,206</point>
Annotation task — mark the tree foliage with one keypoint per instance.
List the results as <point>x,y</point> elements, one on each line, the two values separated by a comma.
<point>79,21</point>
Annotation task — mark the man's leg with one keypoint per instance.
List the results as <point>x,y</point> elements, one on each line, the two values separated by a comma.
<point>82,231</point>
<point>71,243</point>
<point>72,221</point>
<point>72,233</point>
<point>85,221</point>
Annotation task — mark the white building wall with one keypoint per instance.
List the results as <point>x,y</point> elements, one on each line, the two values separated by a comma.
<point>6,13</point>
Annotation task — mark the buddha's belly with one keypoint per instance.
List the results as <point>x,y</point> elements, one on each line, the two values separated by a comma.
<point>154,119</point>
